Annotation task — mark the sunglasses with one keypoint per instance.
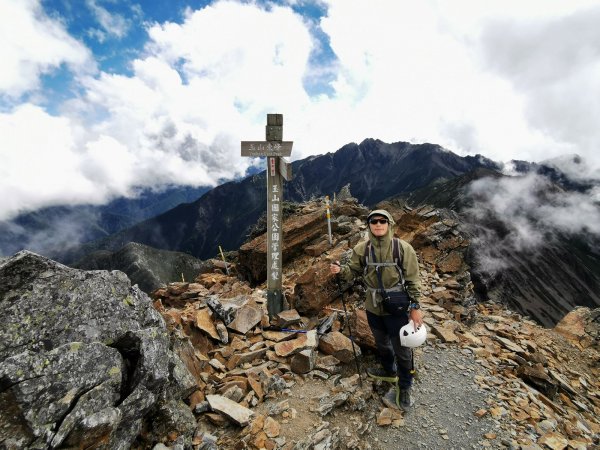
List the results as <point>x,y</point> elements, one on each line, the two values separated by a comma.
<point>378,221</point>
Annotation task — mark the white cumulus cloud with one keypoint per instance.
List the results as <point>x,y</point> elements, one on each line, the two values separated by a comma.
<point>33,44</point>
<point>45,167</point>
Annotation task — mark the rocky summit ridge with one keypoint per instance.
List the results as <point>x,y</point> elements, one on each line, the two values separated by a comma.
<point>211,370</point>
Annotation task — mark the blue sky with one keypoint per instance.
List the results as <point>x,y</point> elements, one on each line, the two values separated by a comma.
<point>99,97</point>
<point>115,31</point>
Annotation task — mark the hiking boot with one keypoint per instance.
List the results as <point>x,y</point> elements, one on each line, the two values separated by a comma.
<point>380,373</point>
<point>404,399</point>
<point>389,399</point>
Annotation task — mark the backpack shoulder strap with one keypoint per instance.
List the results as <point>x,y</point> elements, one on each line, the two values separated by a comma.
<point>398,252</point>
<point>398,255</point>
<point>367,255</point>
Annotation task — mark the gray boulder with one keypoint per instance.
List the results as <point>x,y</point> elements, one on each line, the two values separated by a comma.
<point>85,359</point>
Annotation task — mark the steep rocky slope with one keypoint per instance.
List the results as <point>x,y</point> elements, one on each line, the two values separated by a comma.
<point>543,280</point>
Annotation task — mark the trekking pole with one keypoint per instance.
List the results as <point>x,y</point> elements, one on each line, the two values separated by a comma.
<point>343,295</point>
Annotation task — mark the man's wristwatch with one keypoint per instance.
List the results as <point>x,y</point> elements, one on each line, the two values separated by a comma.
<point>414,306</point>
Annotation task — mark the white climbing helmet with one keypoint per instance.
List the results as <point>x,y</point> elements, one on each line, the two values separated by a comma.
<point>411,338</point>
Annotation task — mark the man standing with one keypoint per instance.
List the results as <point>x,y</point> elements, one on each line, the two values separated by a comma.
<point>391,273</point>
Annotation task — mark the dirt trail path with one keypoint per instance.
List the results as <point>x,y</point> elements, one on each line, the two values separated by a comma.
<point>446,398</point>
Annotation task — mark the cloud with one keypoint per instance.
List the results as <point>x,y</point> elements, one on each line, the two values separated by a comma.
<point>412,71</point>
<point>575,167</point>
<point>46,165</point>
<point>259,59</point>
<point>522,213</point>
<point>34,44</point>
<point>189,102</point>
<point>554,64</point>
<point>178,119</point>
<point>61,233</point>
<point>113,24</point>
<point>427,72</point>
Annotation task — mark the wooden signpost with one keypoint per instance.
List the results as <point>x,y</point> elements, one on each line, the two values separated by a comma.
<point>274,149</point>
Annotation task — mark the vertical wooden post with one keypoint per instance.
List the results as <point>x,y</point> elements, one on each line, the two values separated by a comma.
<point>274,133</point>
<point>274,149</point>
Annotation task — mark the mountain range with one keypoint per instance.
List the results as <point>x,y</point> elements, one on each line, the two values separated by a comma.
<point>223,216</point>
<point>543,281</point>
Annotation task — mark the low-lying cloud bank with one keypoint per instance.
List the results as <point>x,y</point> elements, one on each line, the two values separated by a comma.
<point>58,233</point>
<point>523,213</point>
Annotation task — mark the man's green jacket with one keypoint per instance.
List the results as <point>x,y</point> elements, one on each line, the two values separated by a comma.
<point>390,276</point>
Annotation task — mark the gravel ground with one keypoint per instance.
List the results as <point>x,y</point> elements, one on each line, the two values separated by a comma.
<point>446,397</point>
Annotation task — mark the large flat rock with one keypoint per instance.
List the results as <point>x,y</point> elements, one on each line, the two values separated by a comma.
<point>232,410</point>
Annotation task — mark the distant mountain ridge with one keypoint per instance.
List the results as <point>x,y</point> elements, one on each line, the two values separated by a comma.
<point>223,216</point>
<point>556,175</point>
<point>51,230</point>
<point>147,267</point>
<point>377,170</point>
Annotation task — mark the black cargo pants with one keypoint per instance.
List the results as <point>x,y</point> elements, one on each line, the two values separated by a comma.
<point>394,357</point>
